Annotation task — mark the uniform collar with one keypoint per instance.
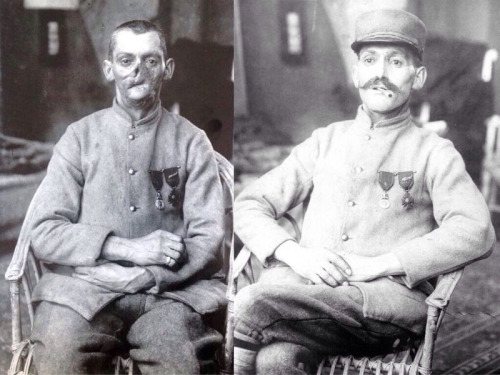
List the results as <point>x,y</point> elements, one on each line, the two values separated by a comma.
<point>148,120</point>
<point>365,121</point>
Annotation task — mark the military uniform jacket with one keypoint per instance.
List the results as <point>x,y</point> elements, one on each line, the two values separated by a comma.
<point>98,184</point>
<point>337,169</point>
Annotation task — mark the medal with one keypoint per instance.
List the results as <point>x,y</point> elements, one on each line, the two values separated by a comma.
<point>174,198</point>
<point>172,179</point>
<point>157,181</point>
<point>386,181</point>
<point>159,203</point>
<point>406,182</point>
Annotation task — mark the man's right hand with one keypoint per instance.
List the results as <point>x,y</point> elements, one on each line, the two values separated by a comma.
<point>157,248</point>
<point>319,265</point>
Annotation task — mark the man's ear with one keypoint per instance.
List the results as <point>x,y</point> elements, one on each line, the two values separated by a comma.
<point>420,77</point>
<point>355,76</point>
<point>107,68</point>
<point>169,69</point>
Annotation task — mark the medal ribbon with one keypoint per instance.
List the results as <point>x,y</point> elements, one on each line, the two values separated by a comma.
<point>172,179</point>
<point>157,181</point>
<point>406,182</point>
<point>385,180</point>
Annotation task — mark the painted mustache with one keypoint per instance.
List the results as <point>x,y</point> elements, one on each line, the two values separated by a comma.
<point>381,81</point>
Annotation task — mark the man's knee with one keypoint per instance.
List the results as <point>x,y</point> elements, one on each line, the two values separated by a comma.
<point>172,338</point>
<point>256,298</point>
<point>285,358</point>
<point>64,342</point>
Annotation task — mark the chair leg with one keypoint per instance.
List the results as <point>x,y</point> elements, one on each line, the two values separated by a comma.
<point>22,352</point>
<point>227,346</point>
<point>425,367</point>
<point>14,289</point>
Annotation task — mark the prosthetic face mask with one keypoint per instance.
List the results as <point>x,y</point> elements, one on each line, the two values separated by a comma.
<point>385,75</point>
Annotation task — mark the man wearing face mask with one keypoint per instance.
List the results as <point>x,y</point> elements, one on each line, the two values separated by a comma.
<point>390,207</point>
<point>129,223</point>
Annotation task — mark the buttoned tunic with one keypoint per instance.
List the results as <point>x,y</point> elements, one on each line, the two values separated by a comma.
<point>98,184</point>
<point>337,169</point>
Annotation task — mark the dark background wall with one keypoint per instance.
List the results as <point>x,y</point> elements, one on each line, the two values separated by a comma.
<point>40,99</point>
<point>294,97</point>
<point>298,98</point>
<point>37,98</point>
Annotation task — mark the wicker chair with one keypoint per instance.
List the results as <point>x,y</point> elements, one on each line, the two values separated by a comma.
<point>417,359</point>
<point>25,271</point>
<point>490,175</point>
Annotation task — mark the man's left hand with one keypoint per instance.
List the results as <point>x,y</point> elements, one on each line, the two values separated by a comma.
<point>117,278</point>
<point>369,268</point>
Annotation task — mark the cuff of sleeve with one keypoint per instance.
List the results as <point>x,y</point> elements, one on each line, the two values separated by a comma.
<point>265,248</point>
<point>99,238</point>
<point>159,278</point>
<point>94,237</point>
<point>411,263</point>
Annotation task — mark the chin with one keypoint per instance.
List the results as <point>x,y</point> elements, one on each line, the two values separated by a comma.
<point>381,108</point>
<point>138,97</point>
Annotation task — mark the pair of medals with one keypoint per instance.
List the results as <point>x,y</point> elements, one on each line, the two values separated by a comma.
<point>171,176</point>
<point>386,182</point>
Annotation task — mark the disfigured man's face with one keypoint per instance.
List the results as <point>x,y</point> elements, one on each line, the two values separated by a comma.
<point>138,68</point>
<point>385,74</point>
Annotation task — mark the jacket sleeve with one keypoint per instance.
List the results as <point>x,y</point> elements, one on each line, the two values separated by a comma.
<point>464,232</point>
<point>56,235</point>
<point>203,211</point>
<point>259,206</point>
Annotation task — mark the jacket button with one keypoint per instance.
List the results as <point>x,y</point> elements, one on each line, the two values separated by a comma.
<point>368,137</point>
<point>131,171</point>
<point>351,203</point>
<point>131,137</point>
<point>133,208</point>
<point>344,237</point>
<point>359,169</point>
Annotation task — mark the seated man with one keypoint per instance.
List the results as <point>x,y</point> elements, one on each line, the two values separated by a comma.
<point>390,207</point>
<point>129,220</point>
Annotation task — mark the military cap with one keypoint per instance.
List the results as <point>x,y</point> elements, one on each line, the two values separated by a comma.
<point>390,26</point>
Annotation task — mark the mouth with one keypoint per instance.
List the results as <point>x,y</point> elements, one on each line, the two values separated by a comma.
<point>139,85</point>
<point>382,90</point>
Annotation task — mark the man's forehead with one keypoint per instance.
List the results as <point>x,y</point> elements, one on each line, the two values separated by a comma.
<point>127,41</point>
<point>385,48</point>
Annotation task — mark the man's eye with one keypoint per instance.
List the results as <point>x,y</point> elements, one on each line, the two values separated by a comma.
<point>397,63</point>
<point>369,60</point>
<point>125,62</point>
<point>152,62</point>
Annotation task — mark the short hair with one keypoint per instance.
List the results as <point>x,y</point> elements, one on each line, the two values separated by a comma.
<point>137,27</point>
<point>417,59</point>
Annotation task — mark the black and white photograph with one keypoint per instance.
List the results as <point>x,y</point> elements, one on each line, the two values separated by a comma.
<point>115,185</point>
<point>365,154</point>
<point>249,187</point>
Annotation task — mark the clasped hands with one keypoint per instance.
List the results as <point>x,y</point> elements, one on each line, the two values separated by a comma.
<point>322,266</point>
<point>157,248</point>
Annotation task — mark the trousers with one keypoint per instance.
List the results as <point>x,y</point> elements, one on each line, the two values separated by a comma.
<point>162,336</point>
<point>295,322</point>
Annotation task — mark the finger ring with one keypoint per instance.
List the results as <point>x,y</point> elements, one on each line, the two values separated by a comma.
<point>168,261</point>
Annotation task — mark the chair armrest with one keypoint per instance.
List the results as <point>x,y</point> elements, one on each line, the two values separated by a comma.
<point>240,262</point>
<point>441,295</point>
<point>15,271</point>
<point>437,301</point>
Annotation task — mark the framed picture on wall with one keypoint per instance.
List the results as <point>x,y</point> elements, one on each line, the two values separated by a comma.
<point>292,27</point>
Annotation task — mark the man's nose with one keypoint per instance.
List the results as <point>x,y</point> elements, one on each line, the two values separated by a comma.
<point>380,68</point>
<point>139,67</point>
